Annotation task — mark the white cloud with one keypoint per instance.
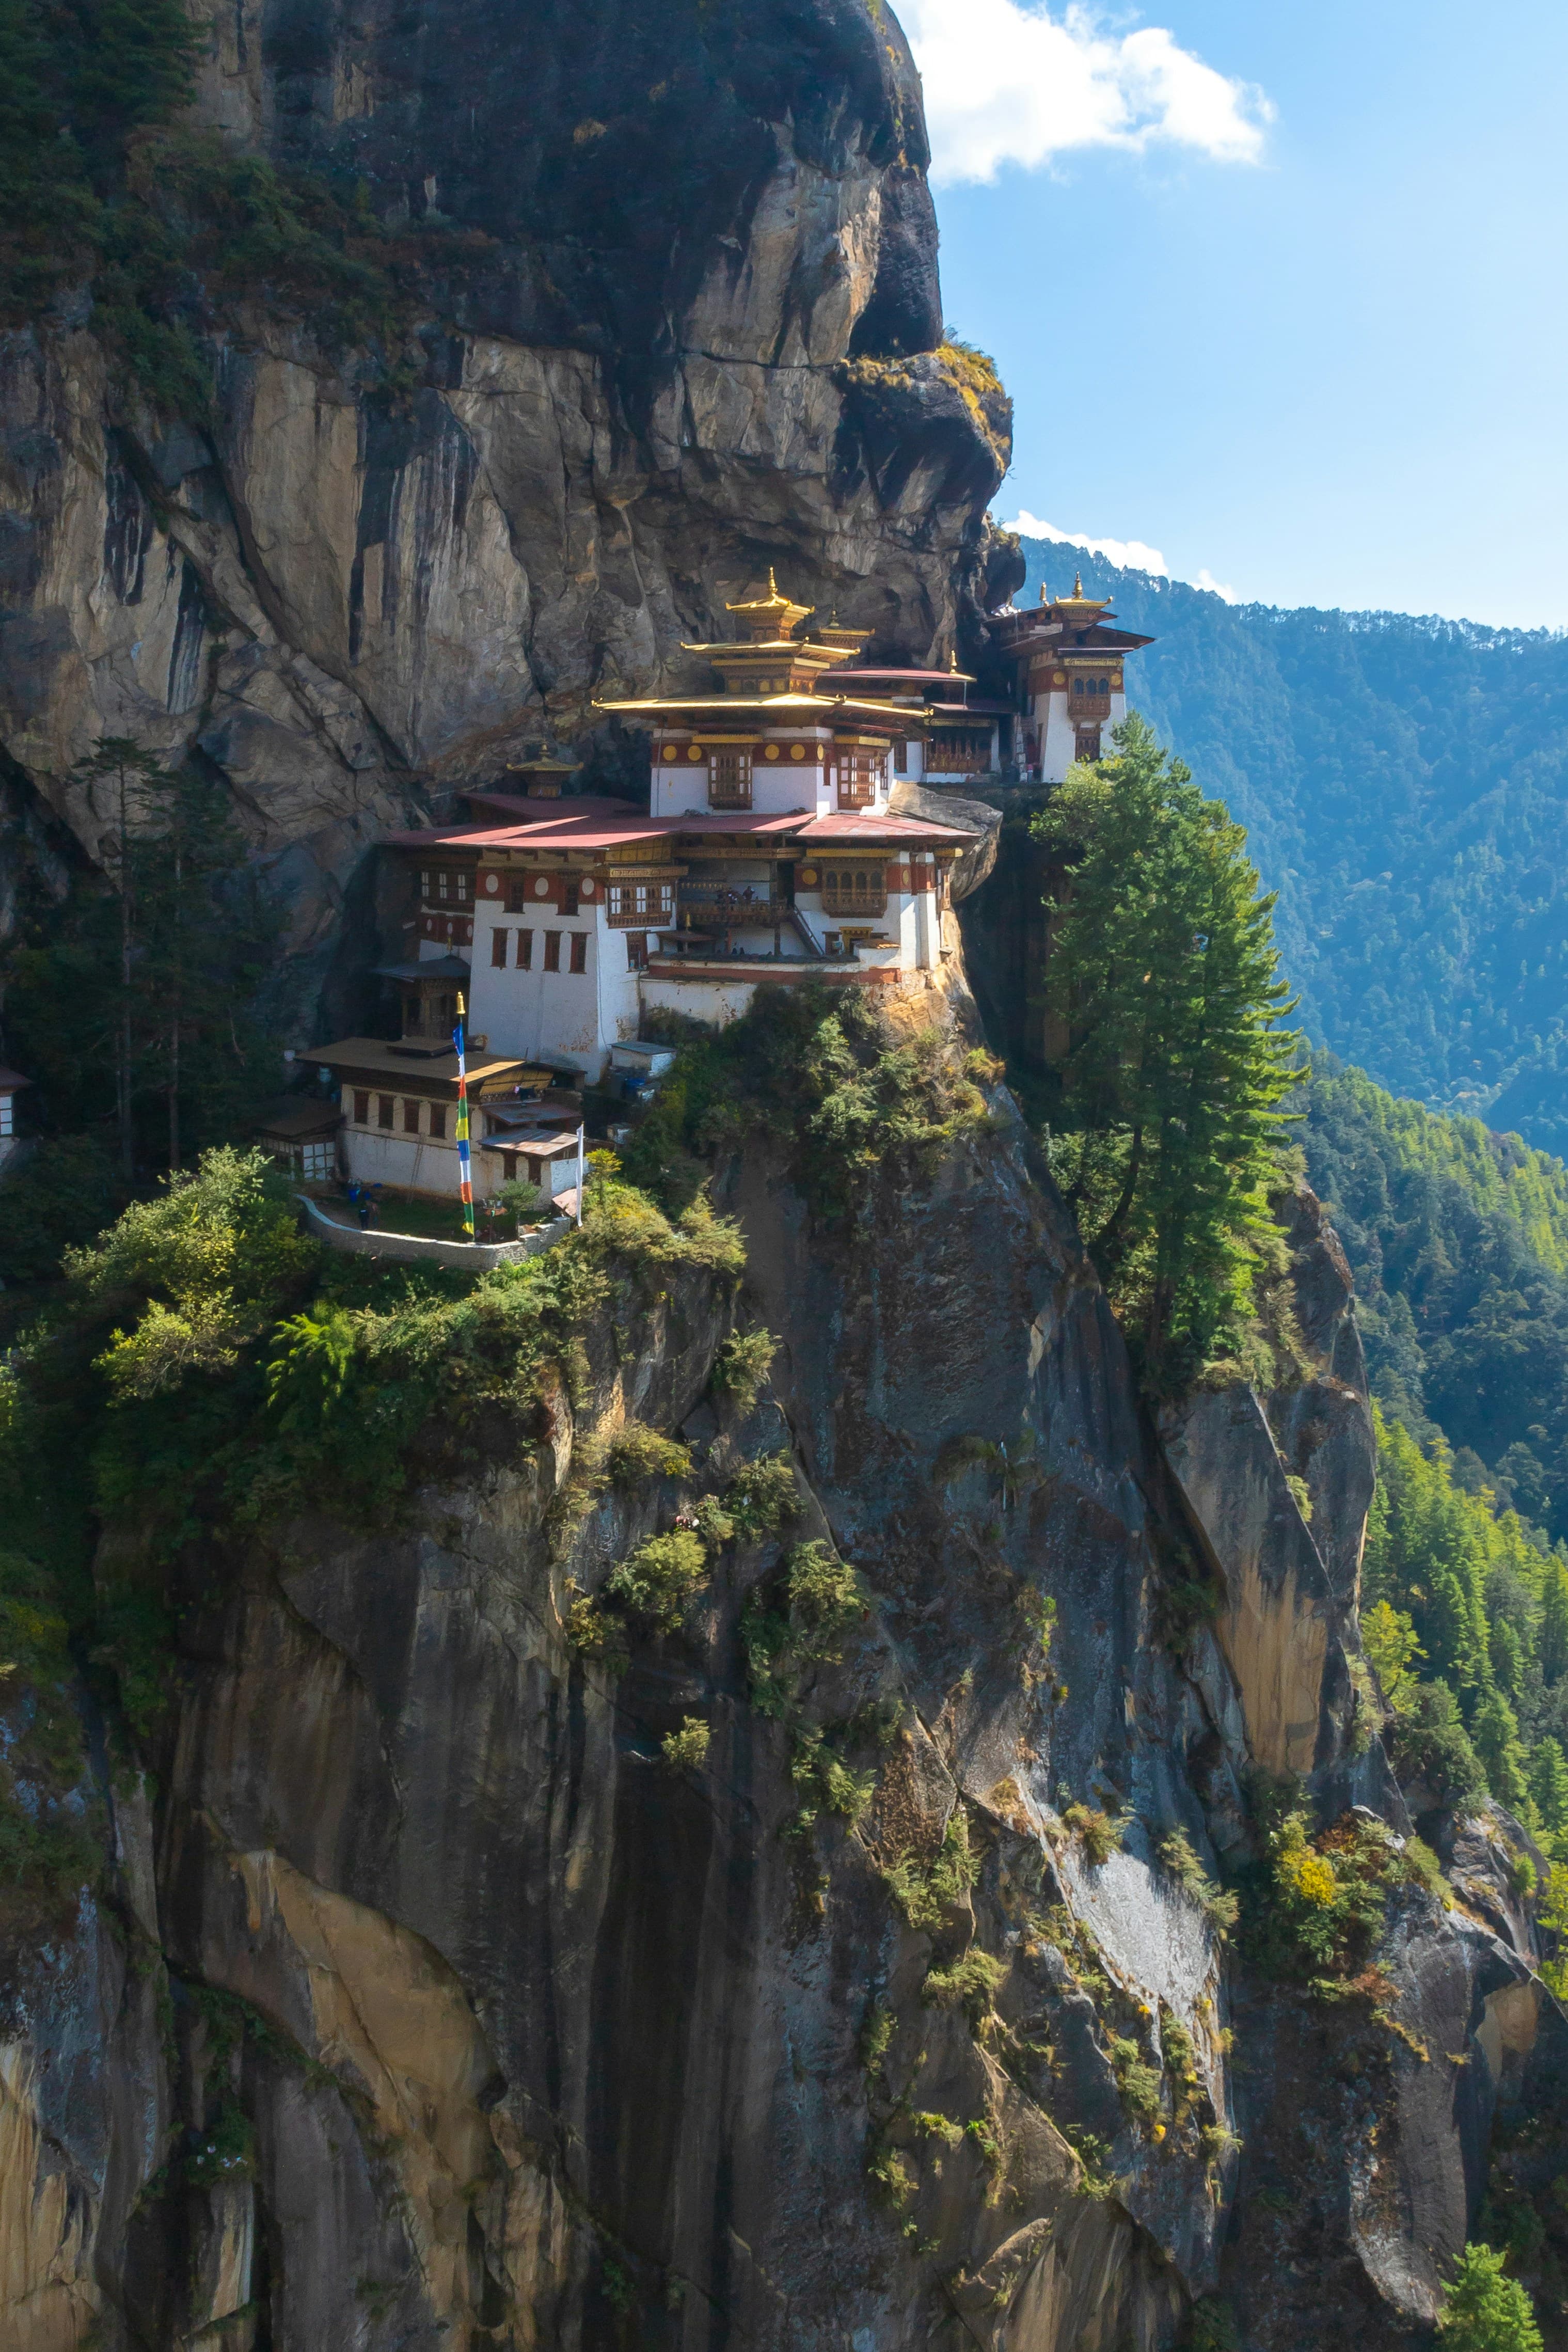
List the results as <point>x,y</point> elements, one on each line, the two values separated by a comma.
<point>1130,554</point>
<point>1010,84</point>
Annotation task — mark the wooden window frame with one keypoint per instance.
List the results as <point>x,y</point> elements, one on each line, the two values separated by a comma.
<point>386,1113</point>
<point>867,774</point>
<point>518,894</point>
<point>498,950</point>
<point>636,951</point>
<point>361,1105</point>
<point>552,950</point>
<point>578,950</point>
<point>865,903</point>
<point>730,790</point>
<point>410,1114</point>
<point>437,1122</point>
<point>524,952</point>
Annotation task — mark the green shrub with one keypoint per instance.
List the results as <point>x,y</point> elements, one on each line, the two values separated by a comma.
<point>1485,2311</point>
<point>824,1598</point>
<point>1312,1905</point>
<point>826,1782</point>
<point>1137,2081</point>
<point>657,1581</point>
<point>312,1355</point>
<point>224,2151</point>
<point>636,1453</point>
<point>742,1366</point>
<point>685,1750</point>
<point>593,1633</point>
<point>1432,1745</point>
<point>761,1496</point>
<point>926,1892</point>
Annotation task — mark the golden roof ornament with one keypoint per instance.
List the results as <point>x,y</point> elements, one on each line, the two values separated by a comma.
<point>769,618</point>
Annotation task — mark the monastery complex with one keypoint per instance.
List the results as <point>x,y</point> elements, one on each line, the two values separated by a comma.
<point>773,847</point>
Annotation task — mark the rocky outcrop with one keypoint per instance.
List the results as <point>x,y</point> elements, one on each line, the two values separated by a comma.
<point>678,319</point>
<point>488,2022</point>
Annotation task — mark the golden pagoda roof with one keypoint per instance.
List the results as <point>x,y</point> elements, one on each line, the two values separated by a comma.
<point>774,610</point>
<point>1078,606</point>
<point>803,707</point>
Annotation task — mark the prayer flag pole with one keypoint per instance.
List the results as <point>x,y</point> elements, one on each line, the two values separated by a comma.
<point>465,1169</point>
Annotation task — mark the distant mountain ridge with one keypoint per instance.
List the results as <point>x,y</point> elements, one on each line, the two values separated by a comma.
<point>1404,781</point>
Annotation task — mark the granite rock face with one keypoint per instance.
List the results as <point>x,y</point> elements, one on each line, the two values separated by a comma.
<point>692,329</point>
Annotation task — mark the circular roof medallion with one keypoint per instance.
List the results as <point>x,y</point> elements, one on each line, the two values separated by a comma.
<point>541,888</point>
<point>586,886</point>
<point>771,750</point>
<point>796,751</point>
<point>492,881</point>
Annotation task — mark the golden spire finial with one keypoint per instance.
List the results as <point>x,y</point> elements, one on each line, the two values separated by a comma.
<point>772,583</point>
<point>953,663</point>
<point>1045,593</point>
<point>1077,585</point>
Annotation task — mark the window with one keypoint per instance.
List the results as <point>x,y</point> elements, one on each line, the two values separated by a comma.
<point>1086,745</point>
<point>901,759</point>
<point>580,951</point>
<point>361,1108</point>
<point>552,950</point>
<point>443,882</point>
<point>636,951</point>
<point>498,950</point>
<point>568,900</point>
<point>385,1104</point>
<point>411,1114</point>
<point>854,889</point>
<point>729,780</point>
<point>634,904</point>
<point>424,882</point>
<point>438,1119</point>
<point>516,895</point>
<point>462,880</point>
<point>525,950</point>
<point>319,1163</point>
<point>861,775</point>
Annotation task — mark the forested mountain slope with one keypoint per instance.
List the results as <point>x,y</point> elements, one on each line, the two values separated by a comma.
<point>1403,783</point>
<point>1458,1240</point>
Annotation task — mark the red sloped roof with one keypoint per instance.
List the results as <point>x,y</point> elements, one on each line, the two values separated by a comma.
<point>848,825</point>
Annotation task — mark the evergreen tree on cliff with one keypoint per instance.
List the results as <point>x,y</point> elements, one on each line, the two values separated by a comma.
<point>1163,995</point>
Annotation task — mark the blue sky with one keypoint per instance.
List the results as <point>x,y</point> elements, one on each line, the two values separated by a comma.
<point>1276,290</point>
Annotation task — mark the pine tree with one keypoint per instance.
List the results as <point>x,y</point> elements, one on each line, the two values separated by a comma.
<point>1552,1638</point>
<point>1548,1778</point>
<point>1485,2311</point>
<point>1163,985</point>
<point>1496,1736</point>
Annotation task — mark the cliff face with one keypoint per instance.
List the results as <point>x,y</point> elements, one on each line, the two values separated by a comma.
<point>432,2001</point>
<point>677,318</point>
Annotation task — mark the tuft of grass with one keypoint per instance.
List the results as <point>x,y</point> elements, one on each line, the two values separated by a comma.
<point>1100,1834</point>
<point>970,1984</point>
<point>1220,1906</point>
<point>926,1893</point>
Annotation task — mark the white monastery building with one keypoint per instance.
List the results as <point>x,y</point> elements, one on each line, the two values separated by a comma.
<point>771,851</point>
<point>1070,682</point>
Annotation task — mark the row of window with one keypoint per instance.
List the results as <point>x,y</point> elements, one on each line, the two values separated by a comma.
<point>642,902</point>
<point>861,775</point>
<point>1091,686</point>
<point>522,955</point>
<point>452,884</point>
<point>413,1108</point>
